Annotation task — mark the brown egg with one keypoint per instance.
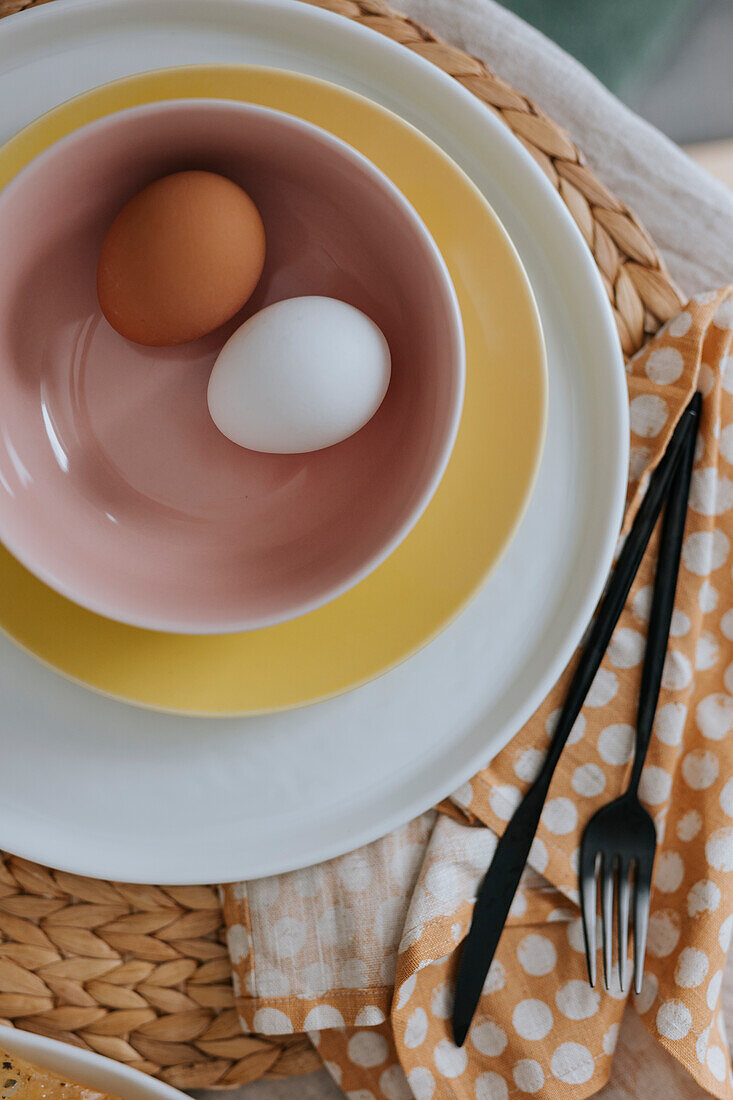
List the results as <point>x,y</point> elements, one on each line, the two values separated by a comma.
<point>180,259</point>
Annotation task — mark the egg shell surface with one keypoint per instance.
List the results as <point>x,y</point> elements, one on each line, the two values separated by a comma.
<point>298,376</point>
<point>181,258</point>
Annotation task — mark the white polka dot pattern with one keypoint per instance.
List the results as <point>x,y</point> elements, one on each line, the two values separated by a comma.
<point>616,743</point>
<point>532,1019</point>
<point>537,955</point>
<point>528,1075</point>
<point>488,1038</point>
<point>490,1086</point>
<point>368,1048</point>
<point>674,1020</point>
<point>669,871</point>
<point>416,1029</point>
<point>572,1063</point>
<point>450,1060</point>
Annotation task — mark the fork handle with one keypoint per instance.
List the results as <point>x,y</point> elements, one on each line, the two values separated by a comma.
<point>665,587</point>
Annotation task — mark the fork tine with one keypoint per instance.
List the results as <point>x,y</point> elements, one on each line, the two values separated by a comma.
<point>624,892</point>
<point>642,891</point>
<point>588,862</point>
<point>607,871</point>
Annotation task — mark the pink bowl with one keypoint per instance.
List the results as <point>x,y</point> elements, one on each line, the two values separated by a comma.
<point>116,488</point>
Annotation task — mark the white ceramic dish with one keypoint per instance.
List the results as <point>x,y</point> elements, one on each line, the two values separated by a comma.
<point>196,800</point>
<point>86,1068</point>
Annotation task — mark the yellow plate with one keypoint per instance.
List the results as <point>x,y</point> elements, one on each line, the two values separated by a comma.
<point>466,528</point>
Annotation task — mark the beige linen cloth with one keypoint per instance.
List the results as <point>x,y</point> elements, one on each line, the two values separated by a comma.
<point>324,948</point>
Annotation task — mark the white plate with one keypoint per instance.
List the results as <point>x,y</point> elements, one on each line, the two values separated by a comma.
<point>106,790</point>
<point>85,1068</point>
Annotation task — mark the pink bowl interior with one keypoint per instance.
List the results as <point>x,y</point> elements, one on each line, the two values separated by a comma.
<point>115,486</point>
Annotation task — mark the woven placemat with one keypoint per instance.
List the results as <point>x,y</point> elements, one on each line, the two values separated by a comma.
<point>141,973</point>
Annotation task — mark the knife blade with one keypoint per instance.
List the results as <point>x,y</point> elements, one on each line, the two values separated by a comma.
<point>493,901</point>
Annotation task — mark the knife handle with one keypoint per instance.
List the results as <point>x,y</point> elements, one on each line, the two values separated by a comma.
<point>617,591</point>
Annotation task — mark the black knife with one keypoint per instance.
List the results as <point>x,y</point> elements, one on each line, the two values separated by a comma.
<point>499,885</point>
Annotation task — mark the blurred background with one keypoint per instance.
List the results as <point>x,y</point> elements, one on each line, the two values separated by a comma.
<point>671,61</point>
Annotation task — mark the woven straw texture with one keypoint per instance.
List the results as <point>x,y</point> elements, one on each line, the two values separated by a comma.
<point>140,973</point>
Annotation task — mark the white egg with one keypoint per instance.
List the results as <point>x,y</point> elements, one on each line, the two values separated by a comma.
<point>300,375</point>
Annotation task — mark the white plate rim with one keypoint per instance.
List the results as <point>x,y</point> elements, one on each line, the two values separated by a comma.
<point>423,74</point>
<point>61,1058</point>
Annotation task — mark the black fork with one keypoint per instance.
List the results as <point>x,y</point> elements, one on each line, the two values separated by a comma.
<point>620,840</point>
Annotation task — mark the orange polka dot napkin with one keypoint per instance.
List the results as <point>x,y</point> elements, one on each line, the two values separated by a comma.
<point>361,952</point>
